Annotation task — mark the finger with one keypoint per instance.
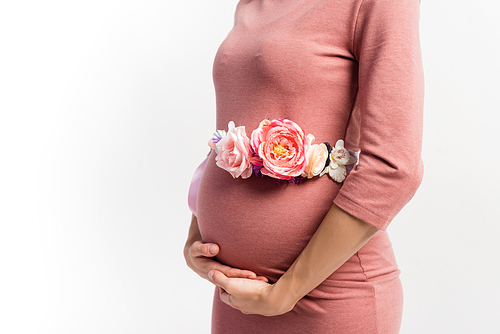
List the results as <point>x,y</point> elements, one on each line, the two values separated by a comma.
<point>234,272</point>
<point>221,280</point>
<point>238,273</point>
<point>204,249</point>
<point>224,296</point>
<point>203,265</point>
<point>262,278</point>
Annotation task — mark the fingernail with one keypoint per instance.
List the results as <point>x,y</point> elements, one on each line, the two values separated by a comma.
<point>213,249</point>
<point>211,274</point>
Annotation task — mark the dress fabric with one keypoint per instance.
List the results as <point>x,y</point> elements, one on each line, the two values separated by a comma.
<point>340,69</point>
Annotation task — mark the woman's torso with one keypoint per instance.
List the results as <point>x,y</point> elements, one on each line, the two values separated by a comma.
<point>289,60</point>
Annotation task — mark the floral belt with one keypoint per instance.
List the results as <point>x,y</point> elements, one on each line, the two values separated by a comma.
<point>279,149</point>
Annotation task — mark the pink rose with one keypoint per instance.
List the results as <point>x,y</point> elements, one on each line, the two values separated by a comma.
<point>282,146</point>
<point>316,160</point>
<point>235,152</point>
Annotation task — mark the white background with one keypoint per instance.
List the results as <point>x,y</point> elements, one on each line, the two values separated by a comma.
<point>106,108</point>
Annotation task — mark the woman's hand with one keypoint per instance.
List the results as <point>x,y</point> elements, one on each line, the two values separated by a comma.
<point>251,296</point>
<point>199,257</point>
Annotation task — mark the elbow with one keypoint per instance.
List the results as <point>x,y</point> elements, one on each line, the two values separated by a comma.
<point>410,177</point>
<point>377,194</point>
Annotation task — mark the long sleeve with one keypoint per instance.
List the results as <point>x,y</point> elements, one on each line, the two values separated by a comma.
<point>389,108</point>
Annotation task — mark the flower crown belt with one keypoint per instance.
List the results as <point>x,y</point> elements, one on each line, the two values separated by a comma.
<point>279,149</point>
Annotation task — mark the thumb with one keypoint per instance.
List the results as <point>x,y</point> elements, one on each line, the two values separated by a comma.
<point>210,249</point>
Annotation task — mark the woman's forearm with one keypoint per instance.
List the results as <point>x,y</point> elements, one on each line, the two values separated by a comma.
<point>339,236</point>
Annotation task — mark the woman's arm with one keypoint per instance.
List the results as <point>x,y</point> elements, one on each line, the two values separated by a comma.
<point>199,256</point>
<point>339,236</point>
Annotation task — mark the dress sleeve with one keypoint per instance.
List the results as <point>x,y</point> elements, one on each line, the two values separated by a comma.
<point>390,99</point>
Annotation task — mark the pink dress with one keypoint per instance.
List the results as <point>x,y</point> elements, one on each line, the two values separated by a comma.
<point>341,69</point>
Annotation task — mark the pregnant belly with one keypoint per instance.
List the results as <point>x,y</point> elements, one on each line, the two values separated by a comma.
<point>260,224</point>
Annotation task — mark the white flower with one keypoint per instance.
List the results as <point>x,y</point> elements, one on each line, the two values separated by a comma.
<point>337,172</point>
<point>339,157</point>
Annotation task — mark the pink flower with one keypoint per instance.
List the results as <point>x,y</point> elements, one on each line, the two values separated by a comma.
<point>235,152</point>
<point>282,146</point>
<point>316,160</point>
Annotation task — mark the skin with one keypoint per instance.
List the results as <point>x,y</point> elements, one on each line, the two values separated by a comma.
<point>339,236</point>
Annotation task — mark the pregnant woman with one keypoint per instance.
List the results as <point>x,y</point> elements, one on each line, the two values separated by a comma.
<point>319,112</point>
